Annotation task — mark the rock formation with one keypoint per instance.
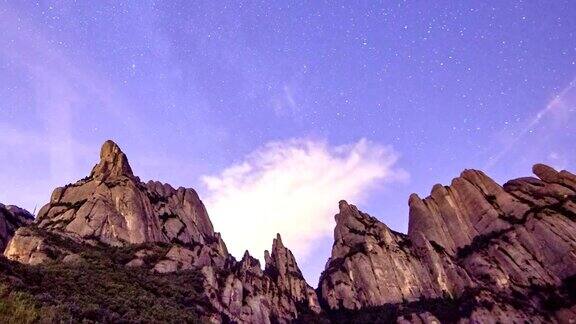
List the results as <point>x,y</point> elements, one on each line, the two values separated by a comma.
<point>112,206</point>
<point>503,244</point>
<point>475,250</point>
<point>11,218</point>
<point>372,265</point>
<point>277,294</point>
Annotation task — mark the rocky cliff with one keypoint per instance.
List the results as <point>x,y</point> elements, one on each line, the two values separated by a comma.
<point>508,251</point>
<point>11,218</point>
<point>475,250</point>
<point>112,206</point>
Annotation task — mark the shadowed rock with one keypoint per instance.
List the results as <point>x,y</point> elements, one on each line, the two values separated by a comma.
<point>12,218</point>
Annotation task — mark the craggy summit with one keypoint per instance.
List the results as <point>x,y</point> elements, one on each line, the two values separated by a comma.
<point>475,251</point>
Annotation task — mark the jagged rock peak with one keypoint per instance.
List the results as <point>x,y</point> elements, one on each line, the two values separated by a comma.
<point>277,242</point>
<point>113,206</point>
<point>453,215</point>
<point>249,263</point>
<point>372,265</point>
<point>473,241</point>
<point>548,174</point>
<point>113,162</point>
<point>280,258</point>
<point>343,205</point>
<point>352,224</point>
<point>281,267</point>
<point>345,210</point>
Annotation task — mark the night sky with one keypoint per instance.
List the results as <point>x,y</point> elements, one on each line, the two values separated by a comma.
<point>275,111</point>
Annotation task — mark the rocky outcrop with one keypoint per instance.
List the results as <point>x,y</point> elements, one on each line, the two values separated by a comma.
<point>372,265</point>
<point>475,251</point>
<point>113,207</point>
<point>282,268</point>
<point>12,218</point>
<point>31,246</point>
<point>473,239</point>
<point>472,205</point>
<point>246,293</point>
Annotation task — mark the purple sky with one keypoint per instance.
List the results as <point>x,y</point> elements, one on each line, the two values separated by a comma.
<point>190,90</point>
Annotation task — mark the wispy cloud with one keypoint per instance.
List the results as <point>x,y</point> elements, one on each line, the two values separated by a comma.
<point>284,103</point>
<point>61,89</point>
<point>293,187</point>
<point>559,106</point>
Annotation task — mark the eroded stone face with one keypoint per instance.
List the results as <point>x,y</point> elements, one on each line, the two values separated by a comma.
<point>473,236</point>
<point>242,290</point>
<point>114,207</point>
<point>372,265</point>
<point>28,247</point>
<point>474,242</point>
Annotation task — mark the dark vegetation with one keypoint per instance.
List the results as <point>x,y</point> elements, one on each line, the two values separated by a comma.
<point>555,298</point>
<point>156,198</point>
<point>480,242</point>
<point>437,247</point>
<point>447,310</point>
<point>450,310</point>
<point>99,288</point>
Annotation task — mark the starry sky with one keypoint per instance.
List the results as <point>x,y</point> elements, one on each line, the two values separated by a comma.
<point>224,96</point>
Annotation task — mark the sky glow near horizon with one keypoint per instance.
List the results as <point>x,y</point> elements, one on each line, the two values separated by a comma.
<point>275,111</point>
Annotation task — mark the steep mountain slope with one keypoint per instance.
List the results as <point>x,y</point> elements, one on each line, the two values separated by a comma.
<point>475,251</point>
<point>94,285</point>
<point>113,207</point>
<point>509,251</point>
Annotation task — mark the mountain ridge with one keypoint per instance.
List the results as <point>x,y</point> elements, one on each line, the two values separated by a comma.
<point>471,249</point>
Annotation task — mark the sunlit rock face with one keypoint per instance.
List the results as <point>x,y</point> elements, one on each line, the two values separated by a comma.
<point>473,237</point>
<point>372,265</point>
<point>12,218</point>
<point>113,206</point>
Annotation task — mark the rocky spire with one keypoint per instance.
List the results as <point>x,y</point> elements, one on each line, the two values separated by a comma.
<point>113,163</point>
<point>371,265</point>
<point>471,239</point>
<point>453,215</point>
<point>282,268</point>
<point>281,259</point>
<point>114,207</point>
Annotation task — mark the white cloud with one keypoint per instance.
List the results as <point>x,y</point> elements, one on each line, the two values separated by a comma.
<point>293,187</point>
